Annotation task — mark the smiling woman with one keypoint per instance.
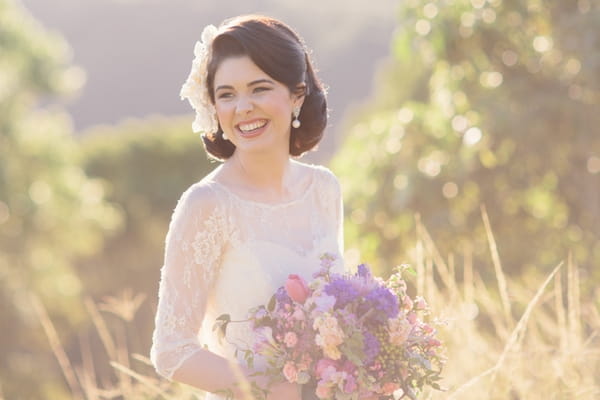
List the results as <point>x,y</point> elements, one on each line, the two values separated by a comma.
<point>260,216</point>
<point>281,57</point>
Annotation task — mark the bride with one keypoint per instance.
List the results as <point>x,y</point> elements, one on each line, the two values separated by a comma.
<point>261,215</point>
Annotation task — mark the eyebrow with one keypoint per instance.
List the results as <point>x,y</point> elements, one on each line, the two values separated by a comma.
<point>256,82</point>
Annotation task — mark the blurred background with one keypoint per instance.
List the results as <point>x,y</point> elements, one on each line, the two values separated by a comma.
<point>465,134</point>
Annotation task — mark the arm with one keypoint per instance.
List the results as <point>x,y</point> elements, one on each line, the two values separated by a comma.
<point>339,215</point>
<point>213,373</point>
<point>193,251</point>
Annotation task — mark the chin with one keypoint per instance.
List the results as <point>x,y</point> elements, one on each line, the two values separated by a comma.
<point>261,146</point>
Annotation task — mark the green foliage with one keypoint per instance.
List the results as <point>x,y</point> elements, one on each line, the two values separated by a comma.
<point>144,167</point>
<point>485,102</point>
<point>51,213</point>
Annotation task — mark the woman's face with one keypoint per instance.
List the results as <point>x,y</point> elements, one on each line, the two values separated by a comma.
<point>254,110</point>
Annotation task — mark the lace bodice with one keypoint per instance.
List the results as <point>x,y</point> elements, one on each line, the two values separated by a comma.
<point>226,254</point>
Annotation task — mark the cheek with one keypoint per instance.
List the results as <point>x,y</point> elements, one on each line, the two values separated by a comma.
<point>223,111</point>
<point>282,108</point>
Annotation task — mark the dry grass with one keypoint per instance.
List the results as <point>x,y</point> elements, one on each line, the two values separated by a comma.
<point>523,340</point>
<point>534,338</point>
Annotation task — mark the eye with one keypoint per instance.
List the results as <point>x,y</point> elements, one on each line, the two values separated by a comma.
<point>225,95</point>
<point>259,89</point>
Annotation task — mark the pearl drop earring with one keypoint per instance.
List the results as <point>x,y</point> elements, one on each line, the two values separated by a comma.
<point>296,122</point>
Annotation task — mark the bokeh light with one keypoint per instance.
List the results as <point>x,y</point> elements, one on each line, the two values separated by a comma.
<point>472,136</point>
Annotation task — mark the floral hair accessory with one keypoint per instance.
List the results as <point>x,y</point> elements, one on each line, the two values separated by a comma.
<point>194,89</point>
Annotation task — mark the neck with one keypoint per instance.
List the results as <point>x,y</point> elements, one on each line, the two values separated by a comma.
<point>264,172</point>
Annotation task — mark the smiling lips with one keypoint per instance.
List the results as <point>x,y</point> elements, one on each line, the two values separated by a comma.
<point>252,128</point>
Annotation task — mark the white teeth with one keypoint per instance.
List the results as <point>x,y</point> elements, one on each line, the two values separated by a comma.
<point>252,126</point>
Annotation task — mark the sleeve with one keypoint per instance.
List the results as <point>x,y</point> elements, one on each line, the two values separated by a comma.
<point>339,214</point>
<point>334,205</point>
<point>193,251</point>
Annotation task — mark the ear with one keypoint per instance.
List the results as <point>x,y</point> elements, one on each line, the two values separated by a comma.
<point>299,95</point>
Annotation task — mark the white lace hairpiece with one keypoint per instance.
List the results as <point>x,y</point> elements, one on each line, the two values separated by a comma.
<point>194,89</point>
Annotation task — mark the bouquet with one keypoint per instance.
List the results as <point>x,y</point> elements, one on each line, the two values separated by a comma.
<point>347,336</point>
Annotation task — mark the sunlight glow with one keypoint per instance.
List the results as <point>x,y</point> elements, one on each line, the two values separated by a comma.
<point>40,192</point>
<point>593,165</point>
<point>405,115</point>
<point>573,66</point>
<point>430,10</point>
<point>489,16</point>
<point>393,144</point>
<point>472,136</point>
<point>429,166</point>
<point>542,44</point>
<point>510,58</point>
<point>450,190</point>
<point>400,182</point>
<point>460,123</point>
<point>478,3</point>
<point>423,27</point>
<point>491,79</point>
<point>470,311</point>
<point>467,19</point>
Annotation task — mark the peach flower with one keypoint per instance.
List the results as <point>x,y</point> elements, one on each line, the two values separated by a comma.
<point>290,372</point>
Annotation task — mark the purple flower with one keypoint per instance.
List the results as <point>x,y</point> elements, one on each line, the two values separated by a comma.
<point>381,300</point>
<point>343,290</point>
<point>363,271</point>
<point>371,347</point>
<point>282,298</point>
<point>327,262</point>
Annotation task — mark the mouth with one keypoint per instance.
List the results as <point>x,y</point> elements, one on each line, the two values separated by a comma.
<point>253,127</point>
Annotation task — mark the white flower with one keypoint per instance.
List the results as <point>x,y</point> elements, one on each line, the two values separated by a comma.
<point>194,89</point>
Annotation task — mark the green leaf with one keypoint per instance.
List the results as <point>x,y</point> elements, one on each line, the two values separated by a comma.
<point>271,305</point>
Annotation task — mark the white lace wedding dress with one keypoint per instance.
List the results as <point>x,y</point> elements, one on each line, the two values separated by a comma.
<point>226,254</point>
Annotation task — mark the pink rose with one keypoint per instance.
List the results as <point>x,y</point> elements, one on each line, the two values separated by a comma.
<point>420,303</point>
<point>290,339</point>
<point>297,288</point>
<point>290,372</point>
<point>412,318</point>
<point>427,329</point>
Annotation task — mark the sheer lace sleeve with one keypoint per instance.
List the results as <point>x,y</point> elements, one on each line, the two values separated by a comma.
<point>331,196</point>
<point>193,249</point>
<point>339,211</point>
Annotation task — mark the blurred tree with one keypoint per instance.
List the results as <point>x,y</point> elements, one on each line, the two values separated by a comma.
<point>490,102</point>
<point>51,213</point>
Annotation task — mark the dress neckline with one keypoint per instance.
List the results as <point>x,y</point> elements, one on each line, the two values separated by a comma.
<point>264,204</point>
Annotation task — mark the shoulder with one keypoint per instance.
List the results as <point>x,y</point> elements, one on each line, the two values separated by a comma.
<point>322,174</point>
<point>201,198</point>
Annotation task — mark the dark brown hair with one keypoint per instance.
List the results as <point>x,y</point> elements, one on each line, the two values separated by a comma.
<point>277,50</point>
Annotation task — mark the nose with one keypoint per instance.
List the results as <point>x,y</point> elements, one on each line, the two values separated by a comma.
<point>244,105</point>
